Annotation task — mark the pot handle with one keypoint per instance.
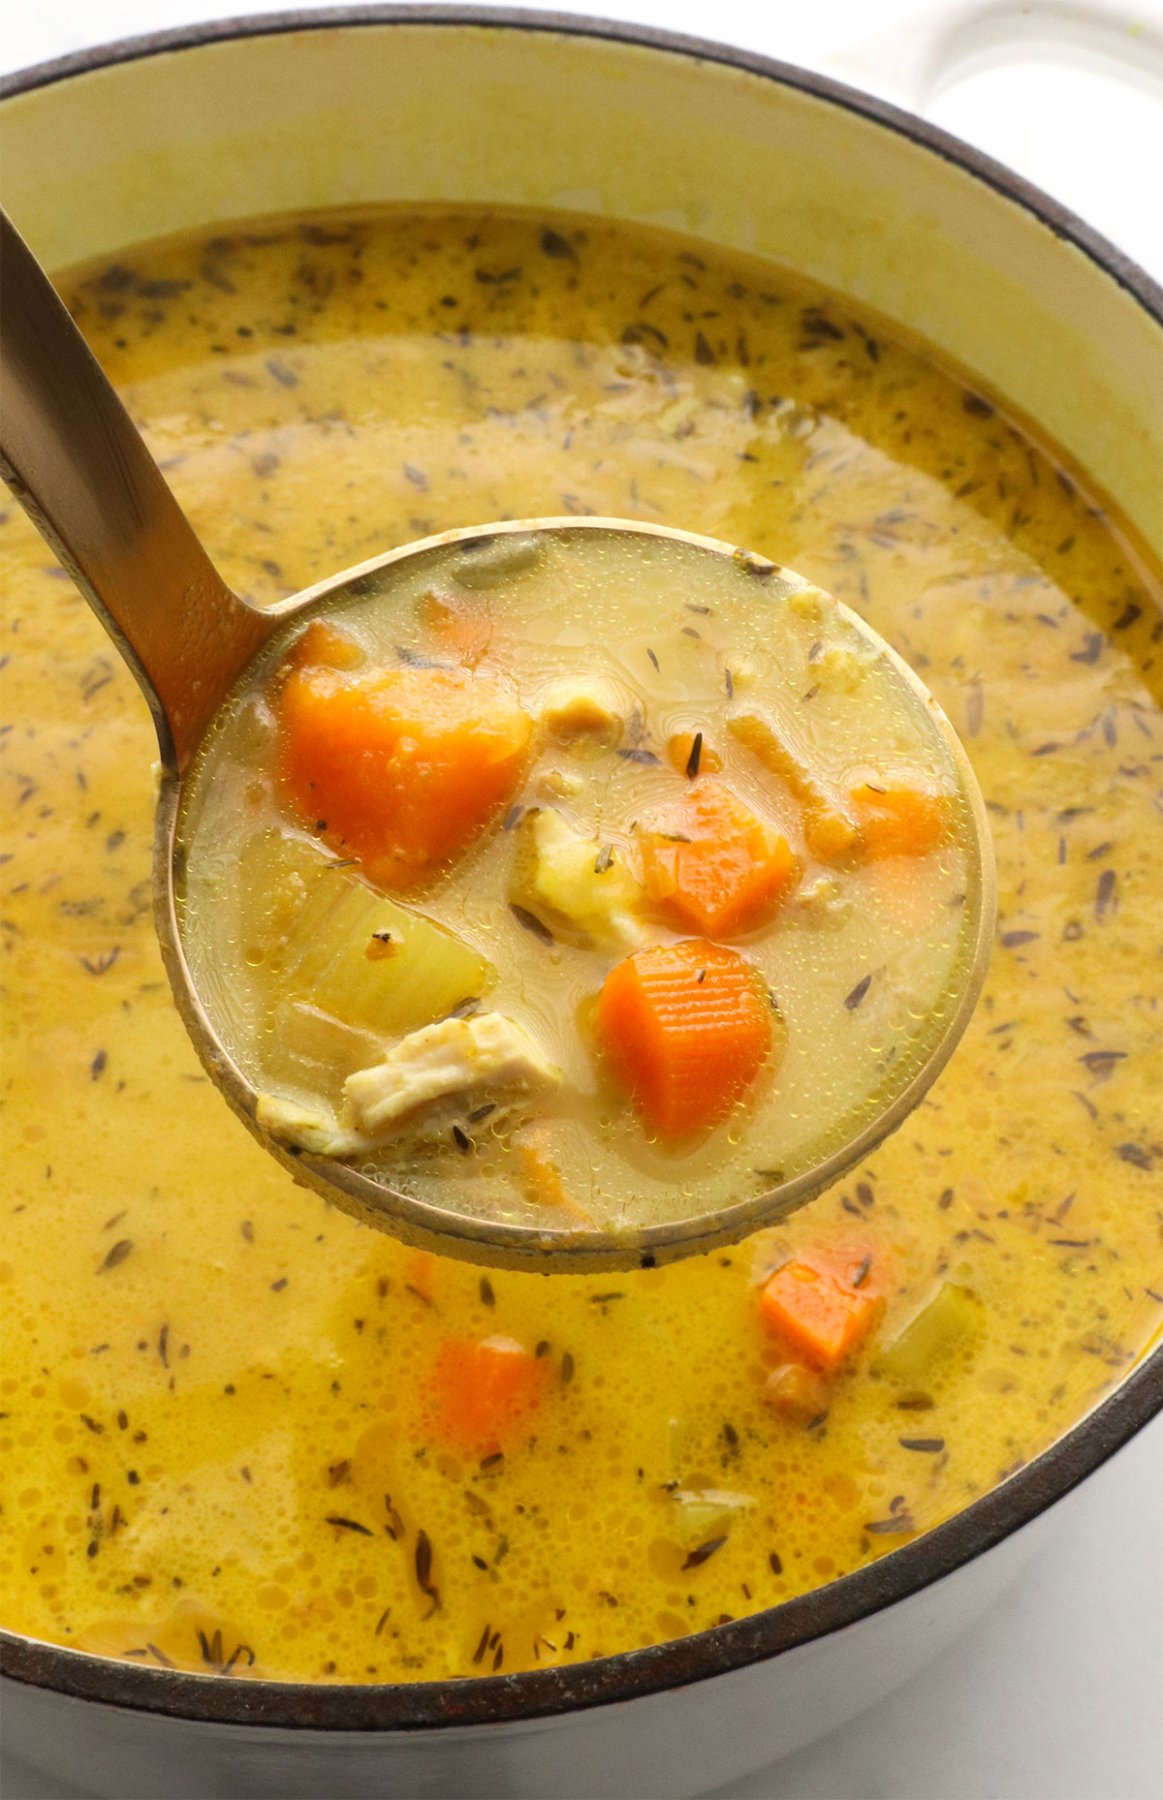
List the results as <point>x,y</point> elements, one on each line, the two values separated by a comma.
<point>919,57</point>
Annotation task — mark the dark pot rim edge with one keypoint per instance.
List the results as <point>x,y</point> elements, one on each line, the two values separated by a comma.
<point>719,1650</point>
<point>1060,219</point>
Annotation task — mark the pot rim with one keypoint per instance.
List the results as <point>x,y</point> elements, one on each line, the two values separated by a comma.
<point>1062,221</point>
<point>1015,1502</point>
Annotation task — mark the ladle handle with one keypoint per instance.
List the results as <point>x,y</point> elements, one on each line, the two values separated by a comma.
<point>78,465</point>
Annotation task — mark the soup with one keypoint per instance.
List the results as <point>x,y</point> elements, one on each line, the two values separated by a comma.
<point>236,1436</point>
<point>575,880</point>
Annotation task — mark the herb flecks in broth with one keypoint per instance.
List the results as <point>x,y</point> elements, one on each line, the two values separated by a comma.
<point>342,861</point>
<point>228,1446</point>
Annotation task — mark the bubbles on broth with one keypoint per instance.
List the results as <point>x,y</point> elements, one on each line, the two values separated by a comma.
<point>863,959</point>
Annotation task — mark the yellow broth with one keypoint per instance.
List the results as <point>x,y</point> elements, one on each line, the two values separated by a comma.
<point>861,960</point>
<point>213,1452</point>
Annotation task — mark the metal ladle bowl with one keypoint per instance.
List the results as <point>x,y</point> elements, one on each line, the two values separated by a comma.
<point>78,465</point>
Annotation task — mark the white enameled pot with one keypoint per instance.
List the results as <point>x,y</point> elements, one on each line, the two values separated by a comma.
<point>288,112</point>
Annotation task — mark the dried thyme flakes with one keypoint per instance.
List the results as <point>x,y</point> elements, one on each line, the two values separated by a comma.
<point>344,1524</point>
<point>1073,792</point>
<point>697,1557</point>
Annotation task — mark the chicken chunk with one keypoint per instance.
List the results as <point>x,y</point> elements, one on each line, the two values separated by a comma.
<point>823,902</point>
<point>441,1060</point>
<point>583,706</point>
<point>317,1131</point>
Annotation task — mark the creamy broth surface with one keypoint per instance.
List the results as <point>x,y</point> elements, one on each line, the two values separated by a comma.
<point>224,1444</point>
<point>613,653</point>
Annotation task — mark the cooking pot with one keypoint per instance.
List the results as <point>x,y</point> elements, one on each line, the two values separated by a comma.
<point>345,107</point>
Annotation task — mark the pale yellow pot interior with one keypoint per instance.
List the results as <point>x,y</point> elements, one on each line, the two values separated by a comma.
<point>424,112</point>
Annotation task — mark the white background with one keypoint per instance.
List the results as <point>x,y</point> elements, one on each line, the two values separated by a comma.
<point>1058,1693</point>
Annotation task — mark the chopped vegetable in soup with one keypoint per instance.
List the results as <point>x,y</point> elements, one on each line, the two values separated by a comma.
<point>244,1436</point>
<point>519,818</point>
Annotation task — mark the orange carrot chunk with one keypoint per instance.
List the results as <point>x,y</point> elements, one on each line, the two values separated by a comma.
<point>460,627</point>
<point>541,1179</point>
<point>401,768</point>
<point>323,644</point>
<point>481,1392</point>
<point>686,760</point>
<point>685,1029</point>
<point>820,1316</point>
<point>897,820</point>
<point>712,864</point>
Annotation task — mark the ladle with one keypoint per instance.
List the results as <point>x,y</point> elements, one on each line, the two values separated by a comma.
<point>77,463</point>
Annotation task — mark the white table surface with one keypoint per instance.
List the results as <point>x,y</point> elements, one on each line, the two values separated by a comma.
<point>1058,1693</point>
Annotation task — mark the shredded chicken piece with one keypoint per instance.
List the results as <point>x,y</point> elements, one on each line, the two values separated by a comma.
<point>444,1059</point>
<point>319,1132</point>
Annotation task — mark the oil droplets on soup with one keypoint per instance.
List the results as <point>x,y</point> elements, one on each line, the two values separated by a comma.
<point>238,1429</point>
<point>578,878</point>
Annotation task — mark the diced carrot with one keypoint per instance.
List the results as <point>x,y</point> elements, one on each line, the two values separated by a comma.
<point>680,754</point>
<point>830,831</point>
<point>541,1179</point>
<point>481,1392</point>
<point>713,864</point>
<point>400,768</point>
<point>460,625</point>
<point>322,645</point>
<point>899,820</point>
<point>686,1030</point>
<point>819,1315</point>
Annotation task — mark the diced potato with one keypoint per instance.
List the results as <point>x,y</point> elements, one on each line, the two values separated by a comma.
<point>947,1320</point>
<point>581,890</point>
<point>314,935</point>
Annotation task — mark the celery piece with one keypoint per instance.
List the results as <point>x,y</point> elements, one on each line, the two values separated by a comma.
<point>487,562</point>
<point>951,1316</point>
<point>311,1050</point>
<point>703,1513</point>
<point>314,934</point>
